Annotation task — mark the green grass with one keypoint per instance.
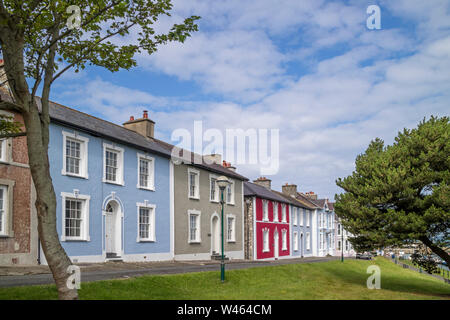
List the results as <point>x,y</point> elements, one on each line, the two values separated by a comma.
<point>326,280</point>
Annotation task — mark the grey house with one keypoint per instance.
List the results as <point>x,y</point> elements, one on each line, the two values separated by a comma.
<point>198,211</point>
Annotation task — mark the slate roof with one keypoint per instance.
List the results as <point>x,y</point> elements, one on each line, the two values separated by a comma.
<point>253,189</point>
<point>307,201</point>
<point>102,128</point>
<point>294,201</point>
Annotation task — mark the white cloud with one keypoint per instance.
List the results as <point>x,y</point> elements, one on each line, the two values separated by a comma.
<point>379,83</point>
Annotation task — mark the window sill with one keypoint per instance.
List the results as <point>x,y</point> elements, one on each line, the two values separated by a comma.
<point>74,240</point>
<point>73,175</point>
<point>194,242</point>
<point>146,188</point>
<point>193,198</point>
<point>115,183</point>
<point>231,241</point>
<point>230,203</point>
<point>146,241</point>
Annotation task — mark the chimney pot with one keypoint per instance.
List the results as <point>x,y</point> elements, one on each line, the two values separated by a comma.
<point>131,118</point>
<point>145,114</point>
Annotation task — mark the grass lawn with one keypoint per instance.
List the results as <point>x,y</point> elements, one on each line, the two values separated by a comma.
<point>326,280</point>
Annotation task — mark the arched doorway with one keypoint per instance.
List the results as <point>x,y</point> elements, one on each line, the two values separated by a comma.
<point>113,232</point>
<point>215,235</point>
<point>276,244</point>
<point>301,245</point>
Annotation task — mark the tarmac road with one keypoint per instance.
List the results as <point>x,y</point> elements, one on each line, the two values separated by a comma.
<point>129,270</point>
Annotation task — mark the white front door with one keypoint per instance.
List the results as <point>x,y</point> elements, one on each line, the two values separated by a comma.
<point>276,245</point>
<point>113,229</point>
<point>109,233</point>
<point>215,237</point>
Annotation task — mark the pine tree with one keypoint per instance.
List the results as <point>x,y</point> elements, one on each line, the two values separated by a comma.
<point>400,194</point>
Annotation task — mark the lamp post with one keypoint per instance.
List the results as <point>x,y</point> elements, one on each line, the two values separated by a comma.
<point>223,182</point>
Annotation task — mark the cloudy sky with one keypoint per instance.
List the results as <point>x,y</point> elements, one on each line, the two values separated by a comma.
<point>309,68</point>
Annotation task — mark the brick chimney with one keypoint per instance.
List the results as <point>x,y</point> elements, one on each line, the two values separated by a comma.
<point>144,126</point>
<point>311,195</point>
<point>213,158</point>
<point>289,189</point>
<point>264,182</point>
<point>228,166</point>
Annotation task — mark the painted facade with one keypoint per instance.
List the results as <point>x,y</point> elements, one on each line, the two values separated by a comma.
<point>342,241</point>
<point>271,222</point>
<point>325,222</point>
<point>198,212</point>
<point>113,197</point>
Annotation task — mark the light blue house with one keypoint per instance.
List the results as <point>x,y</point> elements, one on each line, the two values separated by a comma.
<point>301,223</point>
<point>113,187</point>
<point>325,225</point>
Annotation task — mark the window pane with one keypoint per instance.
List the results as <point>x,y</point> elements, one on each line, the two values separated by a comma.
<point>144,172</point>
<point>111,166</point>
<point>192,185</point>
<point>144,223</point>
<point>213,189</point>
<point>73,156</point>
<point>73,218</point>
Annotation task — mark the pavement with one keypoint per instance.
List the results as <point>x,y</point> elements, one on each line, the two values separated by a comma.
<point>16,276</point>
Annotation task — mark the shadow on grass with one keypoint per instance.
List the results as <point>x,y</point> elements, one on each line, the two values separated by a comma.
<point>393,278</point>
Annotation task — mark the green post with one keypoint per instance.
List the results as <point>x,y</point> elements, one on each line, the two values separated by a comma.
<point>222,263</point>
<point>342,243</point>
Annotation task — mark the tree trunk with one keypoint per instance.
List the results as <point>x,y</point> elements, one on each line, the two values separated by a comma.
<point>437,250</point>
<point>56,257</point>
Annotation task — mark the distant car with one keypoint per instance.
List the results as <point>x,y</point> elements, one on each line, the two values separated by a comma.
<point>364,256</point>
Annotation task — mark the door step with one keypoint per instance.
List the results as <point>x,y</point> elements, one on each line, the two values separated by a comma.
<point>217,256</point>
<point>110,256</point>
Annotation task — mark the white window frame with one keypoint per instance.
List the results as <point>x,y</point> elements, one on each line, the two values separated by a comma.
<point>231,186</point>
<point>308,218</point>
<point>308,241</point>
<point>295,241</point>
<point>152,231</point>
<point>301,213</point>
<point>294,216</point>
<point>283,213</point>
<point>84,232</point>
<point>275,211</point>
<point>5,209</point>
<point>3,150</point>
<point>120,163</point>
<point>233,233</point>
<point>284,245</point>
<point>266,240</point>
<point>197,214</point>
<point>217,190</point>
<point>197,183</point>
<point>6,143</point>
<point>265,207</point>
<point>84,141</point>
<point>151,172</point>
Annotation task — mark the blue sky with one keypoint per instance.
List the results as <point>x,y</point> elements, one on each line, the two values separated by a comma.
<point>309,68</point>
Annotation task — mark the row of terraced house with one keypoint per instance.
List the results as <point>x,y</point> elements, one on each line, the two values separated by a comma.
<point>121,196</point>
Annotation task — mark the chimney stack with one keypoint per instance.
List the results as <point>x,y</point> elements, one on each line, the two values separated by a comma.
<point>144,126</point>
<point>311,195</point>
<point>289,189</point>
<point>264,182</point>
